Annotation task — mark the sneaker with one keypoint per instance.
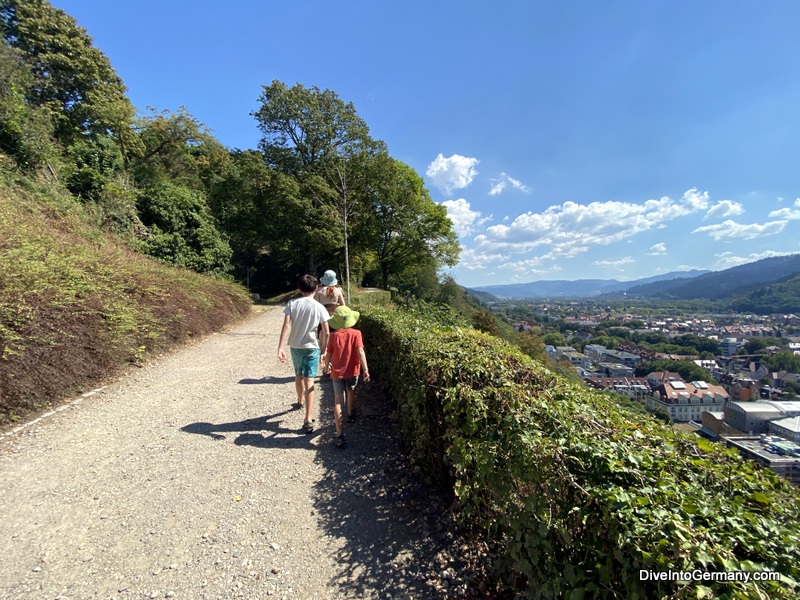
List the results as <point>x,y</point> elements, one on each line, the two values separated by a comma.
<point>351,418</point>
<point>340,441</point>
<point>308,427</point>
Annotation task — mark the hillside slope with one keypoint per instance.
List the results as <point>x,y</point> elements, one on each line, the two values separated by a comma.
<point>76,304</point>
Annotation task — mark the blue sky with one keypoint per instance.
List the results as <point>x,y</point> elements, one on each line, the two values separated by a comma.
<point>568,140</point>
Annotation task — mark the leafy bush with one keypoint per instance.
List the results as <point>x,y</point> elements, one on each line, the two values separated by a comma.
<point>575,494</point>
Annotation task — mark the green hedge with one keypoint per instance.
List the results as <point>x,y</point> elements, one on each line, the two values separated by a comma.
<point>576,495</point>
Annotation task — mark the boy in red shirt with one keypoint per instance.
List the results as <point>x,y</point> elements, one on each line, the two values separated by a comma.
<point>346,359</point>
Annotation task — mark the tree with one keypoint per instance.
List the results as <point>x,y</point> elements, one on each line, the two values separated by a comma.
<point>26,131</point>
<point>313,135</point>
<point>173,198</point>
<point>408,227</point>
<point>72,79</point>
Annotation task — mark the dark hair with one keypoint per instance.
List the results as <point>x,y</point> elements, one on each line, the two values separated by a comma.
<point>307,283</point>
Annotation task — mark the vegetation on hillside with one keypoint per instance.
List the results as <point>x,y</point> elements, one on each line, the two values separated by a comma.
<point>76,304</point>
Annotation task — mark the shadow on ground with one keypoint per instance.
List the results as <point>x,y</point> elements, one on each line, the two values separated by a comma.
<point>266,379</point>
<point>396,535</point>
<point>391,524</point>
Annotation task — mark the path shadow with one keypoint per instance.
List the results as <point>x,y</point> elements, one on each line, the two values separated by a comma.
<point>371,499</point>
<point>266,379</point>
<point>271,433</point>
<point>388,522</point>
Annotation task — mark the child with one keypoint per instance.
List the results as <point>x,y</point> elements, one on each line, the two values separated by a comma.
<point>329,293</point>
<point>303,316</point>
<point>346,359</point>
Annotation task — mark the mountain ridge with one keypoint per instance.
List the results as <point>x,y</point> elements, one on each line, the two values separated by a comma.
<point>579,288</point>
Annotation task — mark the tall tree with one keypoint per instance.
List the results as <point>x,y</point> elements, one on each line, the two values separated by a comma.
<point>408,227</point>
<point>73,78</point>
<point>314,136</point>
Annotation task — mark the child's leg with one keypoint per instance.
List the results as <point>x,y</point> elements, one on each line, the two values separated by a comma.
<point>298,387</point>
<point>308,385</point>
<point>337,412</point>
<point>351,401</point>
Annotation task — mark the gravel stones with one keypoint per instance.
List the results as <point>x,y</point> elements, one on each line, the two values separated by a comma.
<point>191,478</point>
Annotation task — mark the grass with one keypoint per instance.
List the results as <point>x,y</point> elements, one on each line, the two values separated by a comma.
<point>77,305</point>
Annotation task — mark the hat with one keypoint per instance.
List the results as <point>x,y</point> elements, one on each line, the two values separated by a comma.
<point>343,317</point>
<point>329,278</point>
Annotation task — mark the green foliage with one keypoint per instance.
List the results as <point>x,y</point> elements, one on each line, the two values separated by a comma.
<point>73,79</point>
<point>26,132</point>
<point>782,361</point>
<point>181,229</point>
<point>364,299</point>
<point>780,297</point>
<point>575,493</point>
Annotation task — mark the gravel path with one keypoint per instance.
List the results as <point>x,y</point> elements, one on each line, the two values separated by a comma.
<point>190,478</point>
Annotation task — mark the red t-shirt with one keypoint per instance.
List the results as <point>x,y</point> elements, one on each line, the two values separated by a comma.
<point>343,348</point>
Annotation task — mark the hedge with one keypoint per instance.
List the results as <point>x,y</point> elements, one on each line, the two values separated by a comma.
<point>576,496</point>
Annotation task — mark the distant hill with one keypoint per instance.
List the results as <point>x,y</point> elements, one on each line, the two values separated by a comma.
<point>716,285</point>
<point>482,296</point>
<point>580,288</point>
<point>780,297</point>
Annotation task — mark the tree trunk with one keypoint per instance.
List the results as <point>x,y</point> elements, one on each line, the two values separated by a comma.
<point>311,265</point>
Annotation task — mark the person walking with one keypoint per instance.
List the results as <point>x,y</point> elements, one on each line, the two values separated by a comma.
<point>329,293</point>
<point>303,316</point>
<point>346,360</point>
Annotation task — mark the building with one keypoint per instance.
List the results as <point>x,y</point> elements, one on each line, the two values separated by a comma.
<point>780,456</point>
<point>713,425</point>
<point>594,351</point>
<point>625,358</point>
<point>754,417</point>
<point>685,402</point>
<point>657,378</point>
<point>576,359</point>
<point>635,387</point>
<point>788,428</point>
<point>615,370</point>
<point>729,346</point>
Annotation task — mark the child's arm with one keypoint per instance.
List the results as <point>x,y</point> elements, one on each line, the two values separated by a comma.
<point>327,356</point>
<point>362,356</point>
<point>287,323</point>
<point>323,340</point>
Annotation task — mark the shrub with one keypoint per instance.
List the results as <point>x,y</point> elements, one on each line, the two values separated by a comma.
<point>574,493</point>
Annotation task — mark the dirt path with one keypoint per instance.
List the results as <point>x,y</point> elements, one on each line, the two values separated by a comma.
<point>190,478</point>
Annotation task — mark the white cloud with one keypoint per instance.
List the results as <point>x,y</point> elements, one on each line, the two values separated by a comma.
<point>726,260</point>
<point>792,214</point>
<point>461,214</point>
<point>474,261</point>
<point>498,185</point>
<point>453,173</point>
<point>724,208</point>
<point>658,249</point>
<point>614,264</point>
<point>529,267</point>
<point>731,230</point>
<point>497,188</point>
<point>571,228</point>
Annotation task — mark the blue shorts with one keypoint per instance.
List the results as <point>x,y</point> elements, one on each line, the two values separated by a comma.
<point>306,361</point>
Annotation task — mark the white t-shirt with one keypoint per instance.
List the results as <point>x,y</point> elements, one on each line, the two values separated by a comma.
<point>306,315</point>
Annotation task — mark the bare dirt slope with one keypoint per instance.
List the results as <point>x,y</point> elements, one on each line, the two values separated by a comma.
<point>190,478</point>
